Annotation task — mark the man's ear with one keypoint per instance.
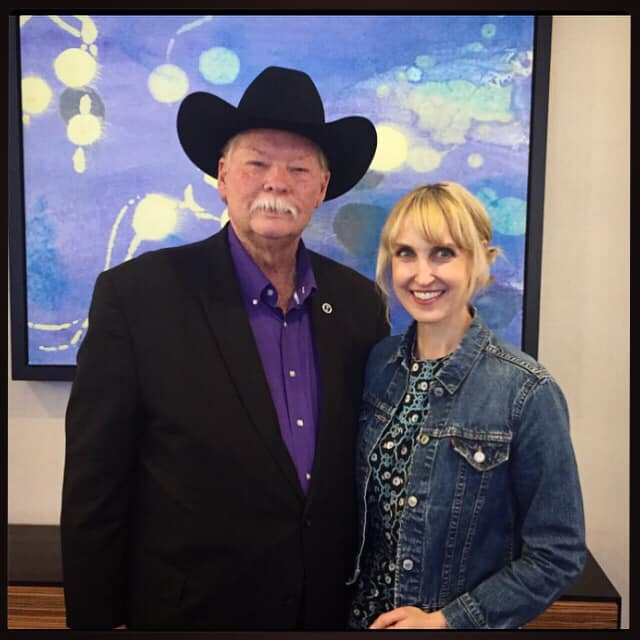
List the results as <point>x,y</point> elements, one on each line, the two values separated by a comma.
<point>323,187</point>
<point>222,180</point>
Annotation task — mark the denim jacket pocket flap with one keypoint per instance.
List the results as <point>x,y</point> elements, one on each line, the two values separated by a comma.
<point>483,453</point>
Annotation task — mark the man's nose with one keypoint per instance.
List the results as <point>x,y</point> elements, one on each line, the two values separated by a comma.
<point>276,178</point>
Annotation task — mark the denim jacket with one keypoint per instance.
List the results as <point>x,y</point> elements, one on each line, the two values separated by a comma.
<point>493,530</point>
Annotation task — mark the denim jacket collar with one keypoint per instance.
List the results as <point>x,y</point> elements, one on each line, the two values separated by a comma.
<point>456,369</point>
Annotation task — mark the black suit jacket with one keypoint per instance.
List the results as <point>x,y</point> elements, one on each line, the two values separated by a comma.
<point>181,506</point>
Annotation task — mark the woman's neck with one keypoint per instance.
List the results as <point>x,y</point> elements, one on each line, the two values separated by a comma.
<point>436,341</point>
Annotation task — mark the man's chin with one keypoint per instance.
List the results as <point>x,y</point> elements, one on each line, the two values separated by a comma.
<point>276,232</point>
<point>277,226</point>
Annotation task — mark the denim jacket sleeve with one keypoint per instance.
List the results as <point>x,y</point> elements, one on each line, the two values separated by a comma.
<point>550,519</point>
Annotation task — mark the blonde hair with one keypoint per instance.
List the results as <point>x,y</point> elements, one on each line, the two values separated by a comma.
<point>435,209</point>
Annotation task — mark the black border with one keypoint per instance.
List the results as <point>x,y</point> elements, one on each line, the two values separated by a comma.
<point>22,370</point>
<point>535,188</point>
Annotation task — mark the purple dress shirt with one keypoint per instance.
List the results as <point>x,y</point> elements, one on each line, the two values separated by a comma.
<point>287,350</point>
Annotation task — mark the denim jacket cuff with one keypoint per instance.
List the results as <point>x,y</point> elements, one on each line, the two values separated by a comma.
<point>464,613</point>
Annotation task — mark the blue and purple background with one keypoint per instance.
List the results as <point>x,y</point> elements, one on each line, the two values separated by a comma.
<point>106,178</point>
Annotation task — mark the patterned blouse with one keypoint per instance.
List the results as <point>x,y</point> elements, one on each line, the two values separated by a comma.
<point>390,461</point>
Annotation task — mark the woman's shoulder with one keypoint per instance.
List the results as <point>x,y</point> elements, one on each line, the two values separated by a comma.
<point>386,348</point>
<point>509,355</point>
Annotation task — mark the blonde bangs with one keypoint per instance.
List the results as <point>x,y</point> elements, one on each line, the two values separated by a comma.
<point>436,215</point>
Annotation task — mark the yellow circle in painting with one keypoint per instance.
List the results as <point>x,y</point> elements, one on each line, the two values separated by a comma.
<point>475,160</point>
<point>75,67</point>
<point>424,159</point>
<point>155,217</point>
<point>392,148</point>
<point>84,129</point>
<point>383,90</point>
<point>168,83</point>
<point>36,94</point>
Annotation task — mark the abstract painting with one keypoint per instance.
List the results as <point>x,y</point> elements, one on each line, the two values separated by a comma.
<point>105,178</point>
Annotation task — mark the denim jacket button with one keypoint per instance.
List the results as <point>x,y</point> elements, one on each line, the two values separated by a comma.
<point>479,457</point>
<point>407,564</point>
<point>412,501</point>
<point>438,391</point>
<point>424,439</point>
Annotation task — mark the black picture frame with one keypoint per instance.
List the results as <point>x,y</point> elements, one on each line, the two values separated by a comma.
<point>21,369</point>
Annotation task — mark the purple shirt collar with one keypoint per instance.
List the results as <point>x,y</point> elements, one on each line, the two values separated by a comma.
<point>255,285</point>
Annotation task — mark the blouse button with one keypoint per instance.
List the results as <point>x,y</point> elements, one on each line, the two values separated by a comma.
<point>412,501</point>
<point>415,366</point>
<point>423,386</point>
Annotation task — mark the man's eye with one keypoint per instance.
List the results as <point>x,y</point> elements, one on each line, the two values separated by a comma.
<point>256,163</point>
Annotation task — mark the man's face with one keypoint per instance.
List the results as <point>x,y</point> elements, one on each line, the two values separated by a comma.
<point>272,182</point>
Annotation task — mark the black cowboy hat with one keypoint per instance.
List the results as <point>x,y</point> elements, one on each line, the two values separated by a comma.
<point>278,98</point>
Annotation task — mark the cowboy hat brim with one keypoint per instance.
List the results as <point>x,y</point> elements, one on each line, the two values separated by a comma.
<point>206,123</point>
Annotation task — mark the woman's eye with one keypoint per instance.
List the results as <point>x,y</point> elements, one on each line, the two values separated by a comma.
<point>403,252</point>
<point>444,252</point>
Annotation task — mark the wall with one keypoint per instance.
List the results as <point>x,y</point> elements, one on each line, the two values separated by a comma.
<point>584,323</point>
<point>584,319</point>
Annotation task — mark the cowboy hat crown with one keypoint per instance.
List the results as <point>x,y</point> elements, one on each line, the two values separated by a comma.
<point>278,98</point>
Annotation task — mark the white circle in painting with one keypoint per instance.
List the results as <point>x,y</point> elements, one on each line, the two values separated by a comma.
<point>219,65</point>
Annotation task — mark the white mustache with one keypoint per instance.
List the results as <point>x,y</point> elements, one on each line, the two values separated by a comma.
<point>274,204</point>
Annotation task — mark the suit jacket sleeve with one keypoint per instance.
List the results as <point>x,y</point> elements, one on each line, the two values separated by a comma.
<point>99,466</point>
<point>383,328</point>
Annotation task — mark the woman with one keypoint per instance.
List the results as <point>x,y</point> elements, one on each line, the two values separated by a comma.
<point>470,506</point>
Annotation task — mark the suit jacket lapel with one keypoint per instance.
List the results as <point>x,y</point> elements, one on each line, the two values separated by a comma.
<point>325,309</point>
<point>226,313</point>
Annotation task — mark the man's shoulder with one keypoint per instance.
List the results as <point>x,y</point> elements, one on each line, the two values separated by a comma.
<point>158,259</point>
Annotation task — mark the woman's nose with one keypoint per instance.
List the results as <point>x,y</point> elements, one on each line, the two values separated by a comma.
<point>424,272</point>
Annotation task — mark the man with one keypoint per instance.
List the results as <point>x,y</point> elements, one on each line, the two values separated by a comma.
<point>210,430</point>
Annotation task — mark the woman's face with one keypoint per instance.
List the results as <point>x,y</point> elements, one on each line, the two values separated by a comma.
<point>430,281</point>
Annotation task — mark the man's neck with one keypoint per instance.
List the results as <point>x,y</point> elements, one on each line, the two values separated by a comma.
<point>277,261</point>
